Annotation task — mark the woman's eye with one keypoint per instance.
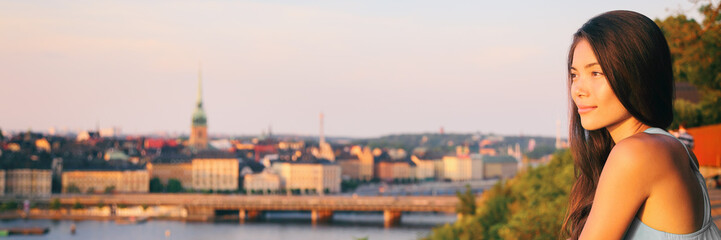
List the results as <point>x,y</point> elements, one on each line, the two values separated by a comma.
<point>595,74</point>
<point>573,76</point>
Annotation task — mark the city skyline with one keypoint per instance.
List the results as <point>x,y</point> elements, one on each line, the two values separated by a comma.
<point>372,69</point>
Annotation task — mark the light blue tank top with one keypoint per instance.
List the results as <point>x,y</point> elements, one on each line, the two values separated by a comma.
<point>709,230</point>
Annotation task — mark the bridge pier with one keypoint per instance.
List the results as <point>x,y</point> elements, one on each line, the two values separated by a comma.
<point>317,216</point>
<point>391,218</point>
<point>250,215</point>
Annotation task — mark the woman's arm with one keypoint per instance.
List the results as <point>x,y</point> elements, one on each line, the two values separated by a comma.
<point>622,188</point>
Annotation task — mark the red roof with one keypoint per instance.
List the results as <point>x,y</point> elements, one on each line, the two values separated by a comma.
<point>707,144</point>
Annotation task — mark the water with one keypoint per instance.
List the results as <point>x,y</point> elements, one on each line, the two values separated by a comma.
<point>276,226</point>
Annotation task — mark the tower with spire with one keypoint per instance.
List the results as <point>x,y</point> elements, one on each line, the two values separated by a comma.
<point>199,127</point>
<point>325,150</point>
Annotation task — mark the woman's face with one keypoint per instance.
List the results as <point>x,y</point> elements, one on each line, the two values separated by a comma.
<point>597,104</point>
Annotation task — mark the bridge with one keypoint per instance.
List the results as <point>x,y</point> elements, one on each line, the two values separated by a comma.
<point>203,207</point>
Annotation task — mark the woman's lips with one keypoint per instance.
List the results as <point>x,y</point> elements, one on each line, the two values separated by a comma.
<point>585,109</point>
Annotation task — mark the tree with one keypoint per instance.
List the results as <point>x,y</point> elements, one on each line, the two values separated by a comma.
<point>72,188</point>
<point>174,186</point>
<point>77,205</point>
<point>155,185</point>
<point>696,52</point>
<point>11,205</point>
<point>109,189</point>
<point>55,204</point>
<point>466,202</point>
<point>90,190</point>
<point>528,206</point>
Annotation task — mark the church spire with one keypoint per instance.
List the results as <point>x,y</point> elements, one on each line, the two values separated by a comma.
<point>200,85</point>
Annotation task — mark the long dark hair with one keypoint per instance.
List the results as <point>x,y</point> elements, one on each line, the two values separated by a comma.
<point>635,58</point>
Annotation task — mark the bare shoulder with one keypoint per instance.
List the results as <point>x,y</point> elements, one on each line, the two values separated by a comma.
<point>648,155</point>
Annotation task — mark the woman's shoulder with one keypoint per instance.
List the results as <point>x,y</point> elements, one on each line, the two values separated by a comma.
<point>651,154</point>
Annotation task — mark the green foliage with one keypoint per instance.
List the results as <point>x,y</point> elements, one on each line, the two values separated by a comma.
<point>349,185</point>
<point>55,204</point>
<point>11,205</point>
<point>467,202</point>
<point>77,205</point>
<point>529,206</point>
<point>696,52</point>
<point>90,190</point>
<point>109,189</point>
<point>174,186</point>
<point>540,151</point>
<point>72,188</point>
<point>155,185</point>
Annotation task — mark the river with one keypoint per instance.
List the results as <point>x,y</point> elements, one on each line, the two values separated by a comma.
<point>274,226</point>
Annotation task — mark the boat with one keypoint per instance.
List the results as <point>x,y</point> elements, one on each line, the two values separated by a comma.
<point>131,220</point>
<point>24,231</point>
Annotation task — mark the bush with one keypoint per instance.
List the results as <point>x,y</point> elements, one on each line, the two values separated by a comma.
<point>174,186</point>
<point>72,188</point>
<point>55,204</point>
<point>529,206</point>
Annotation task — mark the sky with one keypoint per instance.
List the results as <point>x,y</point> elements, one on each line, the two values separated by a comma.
<point>372,67</point>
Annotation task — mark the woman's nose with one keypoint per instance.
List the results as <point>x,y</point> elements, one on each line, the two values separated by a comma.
<point>579,89</point>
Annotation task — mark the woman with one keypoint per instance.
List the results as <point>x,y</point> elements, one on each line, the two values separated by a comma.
<point>635,181</point>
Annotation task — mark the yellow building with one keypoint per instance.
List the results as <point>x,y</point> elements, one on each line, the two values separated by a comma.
<point>215,174</point>
<point>424,169</point>
<point>28,182</point>
<point>179,168</point>
<point>261,181</point>
<point>315,176</point>
<point>97,181</point>
<point>2,182</point>
<point>462,168</point>
<point>365,165</point>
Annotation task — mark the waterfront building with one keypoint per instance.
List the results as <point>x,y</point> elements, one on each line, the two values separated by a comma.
<point>199,127</point>
<point>2,182</point>
<point>168,167</point>
<point>424,169</point>
<point>217,171</point>
<point>365,164</point>
<point>389,171</point>
<point>317,176</point>
<point>499,166</point>
<point>262,181</point>
<point>28,182</point>
<point>439,169</point>
<point>462,168</point>
<point>104,180</point>
<point>350,168</point>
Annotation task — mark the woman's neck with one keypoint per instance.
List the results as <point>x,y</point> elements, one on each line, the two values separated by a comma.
<point>626,128</point>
